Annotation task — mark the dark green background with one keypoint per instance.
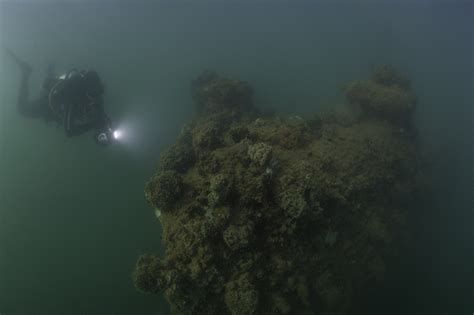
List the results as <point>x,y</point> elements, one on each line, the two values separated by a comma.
<point>73,217</point>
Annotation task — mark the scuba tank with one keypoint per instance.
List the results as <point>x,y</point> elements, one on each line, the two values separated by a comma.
<point>74,110</point>
<point>55,86</point>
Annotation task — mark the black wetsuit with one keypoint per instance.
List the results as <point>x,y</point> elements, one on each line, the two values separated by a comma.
<point>69,102</point>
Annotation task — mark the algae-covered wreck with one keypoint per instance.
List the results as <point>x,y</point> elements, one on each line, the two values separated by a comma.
<point>264,215</point>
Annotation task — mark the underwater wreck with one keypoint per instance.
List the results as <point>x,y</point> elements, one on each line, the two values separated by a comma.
<point>269,215</point>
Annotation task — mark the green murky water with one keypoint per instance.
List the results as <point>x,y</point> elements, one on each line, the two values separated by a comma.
<point>73,217</point>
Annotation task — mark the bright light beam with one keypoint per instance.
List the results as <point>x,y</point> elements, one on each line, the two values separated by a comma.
<point>117,134</point>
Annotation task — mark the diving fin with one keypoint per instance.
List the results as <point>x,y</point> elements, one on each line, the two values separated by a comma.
<point>24,66</point>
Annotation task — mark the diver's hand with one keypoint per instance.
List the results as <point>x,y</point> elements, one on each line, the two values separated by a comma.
<point>104,137</point>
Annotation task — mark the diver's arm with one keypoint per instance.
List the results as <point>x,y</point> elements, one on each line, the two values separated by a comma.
<point>104,130</point>
<point>103,122</point>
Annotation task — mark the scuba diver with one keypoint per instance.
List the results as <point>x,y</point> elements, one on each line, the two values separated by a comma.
<point>73,100</point>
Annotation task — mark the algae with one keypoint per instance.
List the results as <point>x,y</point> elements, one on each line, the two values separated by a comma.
<point>271,215</point>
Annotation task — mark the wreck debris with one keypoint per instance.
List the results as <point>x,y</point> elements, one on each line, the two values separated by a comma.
<point>265,215</point>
